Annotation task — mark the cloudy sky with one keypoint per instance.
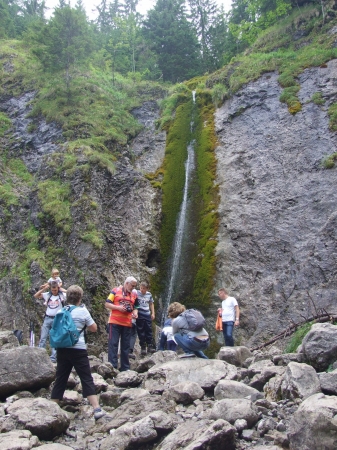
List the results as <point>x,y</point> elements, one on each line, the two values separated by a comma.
<point>143,5</point>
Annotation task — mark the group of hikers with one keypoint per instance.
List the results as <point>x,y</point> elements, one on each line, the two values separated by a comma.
<point>131,314</point>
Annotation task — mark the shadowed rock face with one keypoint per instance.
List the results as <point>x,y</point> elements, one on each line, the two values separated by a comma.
<point>278,215</point>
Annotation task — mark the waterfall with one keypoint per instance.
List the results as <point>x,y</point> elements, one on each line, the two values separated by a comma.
<point>176,267</point>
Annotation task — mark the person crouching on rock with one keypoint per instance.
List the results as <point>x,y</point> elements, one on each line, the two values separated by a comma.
<point>77,355</point>
<point>192,342</point>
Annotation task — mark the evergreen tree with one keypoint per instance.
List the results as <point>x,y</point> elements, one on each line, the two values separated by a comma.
<point>172,38</point>
<point>203,16</point>
<point>66,39</point>
<point>7,25</point>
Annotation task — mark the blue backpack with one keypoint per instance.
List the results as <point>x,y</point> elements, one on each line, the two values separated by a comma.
<point>64,332</point>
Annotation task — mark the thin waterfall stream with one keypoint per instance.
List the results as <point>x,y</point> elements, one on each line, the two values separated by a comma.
<point>182,240</point>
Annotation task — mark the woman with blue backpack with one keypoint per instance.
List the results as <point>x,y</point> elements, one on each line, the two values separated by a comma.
<point>74,355</point>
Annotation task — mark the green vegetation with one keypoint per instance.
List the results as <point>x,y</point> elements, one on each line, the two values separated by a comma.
<point>329,161</point>
<point>93,236</point>
<point>318,99</point>
<point>7,195</point>
<point>5,123</point>
<point>333,117</point>
<point>18,168</point>
<point>297,337</point>
<point>54,197</point>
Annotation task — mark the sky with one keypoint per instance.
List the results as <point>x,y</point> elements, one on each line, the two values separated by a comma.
<point>143,6</point>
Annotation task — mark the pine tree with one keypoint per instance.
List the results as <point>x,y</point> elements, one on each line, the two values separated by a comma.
<point>171,37</point>
<point>203,16</point>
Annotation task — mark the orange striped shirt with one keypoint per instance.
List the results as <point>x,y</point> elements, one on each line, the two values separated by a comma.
<point>118,296</point>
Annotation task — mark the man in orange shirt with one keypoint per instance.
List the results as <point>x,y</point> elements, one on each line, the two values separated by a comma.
<point>122,303</point>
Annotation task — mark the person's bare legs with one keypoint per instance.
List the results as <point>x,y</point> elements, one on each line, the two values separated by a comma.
<point>93,401</point>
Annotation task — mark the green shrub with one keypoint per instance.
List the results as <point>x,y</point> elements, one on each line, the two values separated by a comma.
<point>329,161</point>
<point>54,198</point>
<point>317,98</point>
<point>332,111</point>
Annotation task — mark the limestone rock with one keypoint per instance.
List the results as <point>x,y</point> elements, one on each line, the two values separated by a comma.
<point>42,417</point>
<point>159,357</point>
<point>328,382</point>
<point>186,392</point>
<point>100,384</point>
<point>24,368</point>
<point>112,397</point>
<point>233,409</point>
<point>234,355</point>
<point>300,381</point>
<point>234,389</point>
<point>314,424</point>
<point>320,345</point>
<point>129,378</point>
<point>8,340</point>
<point>200,435</point>
<point>137,409</point>
<point>205,372</point>
<point>18,440</point>
<point>133,394</point>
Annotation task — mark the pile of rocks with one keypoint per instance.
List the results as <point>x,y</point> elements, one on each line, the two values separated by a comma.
<point>242,400</point>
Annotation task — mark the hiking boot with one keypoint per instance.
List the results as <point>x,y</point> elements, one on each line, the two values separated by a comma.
<point>151,349</point>
<point>143,350</point>
<point>132,356</point>
<point>98,413</point>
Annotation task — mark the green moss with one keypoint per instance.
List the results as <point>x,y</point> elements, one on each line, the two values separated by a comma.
<point>289,96</point>
<point>18,167</point>
<point>94,237</point>
<point>329,161</point>
<point>54,198</point>
<point>318,99</point>
<point>7,195</point>
<point>5,123</point>
<point>333,117</point>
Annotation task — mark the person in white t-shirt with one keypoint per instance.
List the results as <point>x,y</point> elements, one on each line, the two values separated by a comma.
<point>230,314</point>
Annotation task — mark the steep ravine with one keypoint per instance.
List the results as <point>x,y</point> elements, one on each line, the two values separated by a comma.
<point>277,235</point>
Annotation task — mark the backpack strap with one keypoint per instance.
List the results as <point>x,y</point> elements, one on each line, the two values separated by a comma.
<point>71,308</point>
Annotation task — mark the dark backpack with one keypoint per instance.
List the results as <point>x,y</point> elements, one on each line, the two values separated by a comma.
<point>64,332</point>
<point>196,321</point>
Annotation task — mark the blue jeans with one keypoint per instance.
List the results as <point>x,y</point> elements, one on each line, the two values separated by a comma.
<point>189,345</point>
<point>227,329</point>
<point>123,333</point>
<point>46,327</point>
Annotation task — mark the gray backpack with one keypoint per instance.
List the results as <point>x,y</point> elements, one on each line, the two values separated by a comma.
<point>195,319</point>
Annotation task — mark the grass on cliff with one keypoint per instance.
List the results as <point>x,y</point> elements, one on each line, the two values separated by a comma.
<point>276,50</point>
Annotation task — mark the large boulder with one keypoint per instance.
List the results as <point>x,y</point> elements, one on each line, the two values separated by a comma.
<point>319,346</point>
<point>235,355</point>
<point>314,424</point>
<point>186,392</point>
<point>42,417</point>
<point>24,368</point>
<point>299,381</point>
<point>160,357</point>
<point>8,340</point>
<point>193,435</point>
<point>234,389</point>
<point>233,409</point>
<point>205,372</point>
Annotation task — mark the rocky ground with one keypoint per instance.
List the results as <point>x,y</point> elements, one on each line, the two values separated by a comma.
<point>241,400</point>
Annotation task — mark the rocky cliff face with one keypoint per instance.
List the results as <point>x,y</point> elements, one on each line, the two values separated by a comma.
<point>121,206</point>
<point>277,237</point>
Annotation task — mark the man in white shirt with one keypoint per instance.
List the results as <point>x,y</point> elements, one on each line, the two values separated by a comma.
<point>230,313</point>
<point>54,299</point>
